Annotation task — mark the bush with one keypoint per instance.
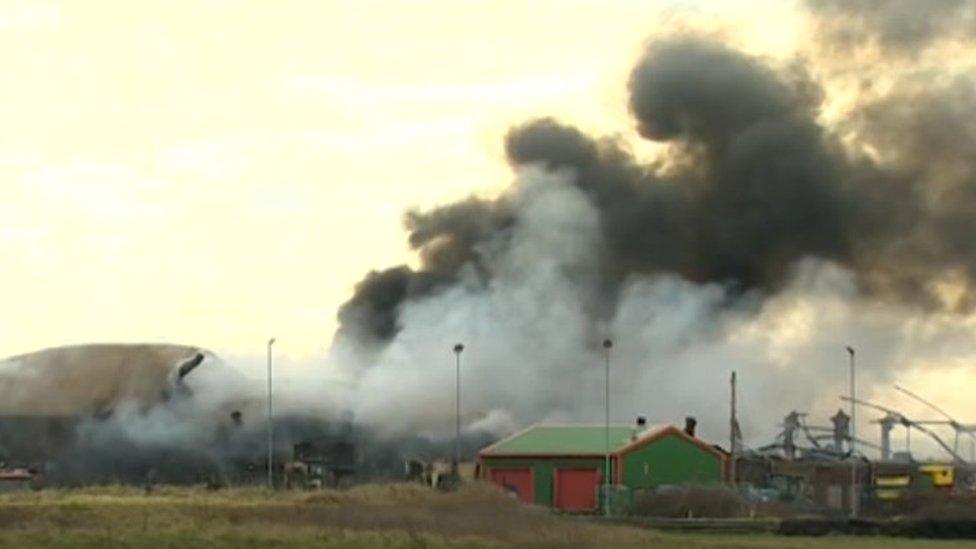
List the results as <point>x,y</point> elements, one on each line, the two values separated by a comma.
<point>690,501</point>
<point>931,506</point>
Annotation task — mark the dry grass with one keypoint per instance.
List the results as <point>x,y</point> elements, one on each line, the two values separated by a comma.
<point>387,515</point>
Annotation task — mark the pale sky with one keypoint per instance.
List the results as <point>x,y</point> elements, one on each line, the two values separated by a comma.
<point>215,172</point>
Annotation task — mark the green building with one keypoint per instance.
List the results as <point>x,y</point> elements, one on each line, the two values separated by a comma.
<point>563,465</point>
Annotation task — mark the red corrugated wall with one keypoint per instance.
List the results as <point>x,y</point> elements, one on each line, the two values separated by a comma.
<point>518,481</point>
<point>576,489</point>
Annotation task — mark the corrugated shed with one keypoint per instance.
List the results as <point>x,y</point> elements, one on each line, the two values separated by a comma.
<point>563,465</point>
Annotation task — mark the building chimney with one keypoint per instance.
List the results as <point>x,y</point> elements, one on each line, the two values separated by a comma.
<point>638,427</point>
<point>842,430</point>
<point>690,424</point>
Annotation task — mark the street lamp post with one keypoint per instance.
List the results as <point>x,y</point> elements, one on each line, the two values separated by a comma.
<point>457,407</point>
<point>854,494</point>
<point>270,421</point>
<point>733,431</point>
<point>607,345</point>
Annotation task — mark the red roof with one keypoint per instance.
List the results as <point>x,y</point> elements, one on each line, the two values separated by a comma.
<point>670,430</point>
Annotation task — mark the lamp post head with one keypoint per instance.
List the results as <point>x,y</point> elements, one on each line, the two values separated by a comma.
<point>271,341</point>
<point>850,350</point>
<point>458,348</point>
<point>607,343</point>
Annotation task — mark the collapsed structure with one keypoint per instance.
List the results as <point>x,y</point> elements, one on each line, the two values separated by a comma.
<point>50,398</point>
<point>143,414</point>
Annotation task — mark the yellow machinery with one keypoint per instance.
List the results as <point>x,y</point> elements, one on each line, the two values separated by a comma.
<point>895,486</point>
<point>892,487</point>
<point>943,476</point>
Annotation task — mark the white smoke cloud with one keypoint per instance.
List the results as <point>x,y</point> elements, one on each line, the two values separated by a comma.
<point>532,351</point>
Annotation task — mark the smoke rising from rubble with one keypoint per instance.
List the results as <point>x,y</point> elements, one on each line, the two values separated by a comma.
<point>764,237</point>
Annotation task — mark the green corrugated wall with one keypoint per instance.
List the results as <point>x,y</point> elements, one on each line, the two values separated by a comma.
<point>670,460</point>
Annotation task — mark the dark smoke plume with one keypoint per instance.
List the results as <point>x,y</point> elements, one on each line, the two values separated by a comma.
<point>925,135</point>
<point>896,26</point>
<point>371,314</point>
<point>751,182</point>
<point>448,239</point>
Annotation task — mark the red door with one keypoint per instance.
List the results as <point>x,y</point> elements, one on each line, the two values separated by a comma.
<point>516,481</point>
<point>576,489</point>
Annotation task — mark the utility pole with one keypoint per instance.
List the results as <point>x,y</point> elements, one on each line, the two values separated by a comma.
<point>607,345</point>
<point>457,408</point>
<point>854,493</point>
<point>733,428</point>
<point>270,421</point>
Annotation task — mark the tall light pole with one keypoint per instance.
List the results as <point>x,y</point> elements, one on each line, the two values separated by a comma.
<point>607,345</point>
<point>733,428</point>
<point>854,494</point>
<point>457,406</point>
<point>270,421</point>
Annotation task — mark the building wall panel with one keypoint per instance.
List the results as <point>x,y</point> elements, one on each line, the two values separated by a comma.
<point>543,469</point>
<point>518,481</point>
<point>670,460</point>
<point>575,489</point>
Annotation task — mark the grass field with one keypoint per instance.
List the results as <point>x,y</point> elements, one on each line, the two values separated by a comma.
<point>390,515</point>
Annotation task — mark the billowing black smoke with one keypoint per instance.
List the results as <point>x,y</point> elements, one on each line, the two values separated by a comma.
<point>751,182</point>
<point>896,26</point>
<point>372,312</point>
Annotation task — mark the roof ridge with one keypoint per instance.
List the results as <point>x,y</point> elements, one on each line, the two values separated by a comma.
<point>548,435</point>
<point>509,438</point>
<point>619,425</point>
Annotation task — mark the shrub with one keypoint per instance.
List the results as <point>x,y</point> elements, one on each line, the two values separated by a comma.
<point>690,501</point>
